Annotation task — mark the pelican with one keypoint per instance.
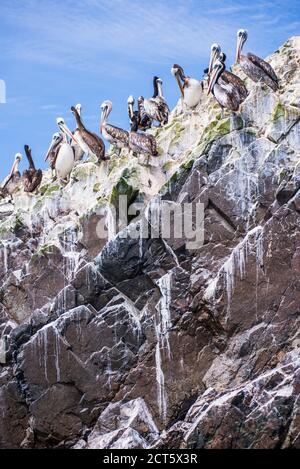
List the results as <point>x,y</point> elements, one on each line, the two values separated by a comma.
<point>13,179</point>
<point>254,67</point>
<point>156,108</point>
<point>89,142</point>
<point>114,135</point>
<point>227,78</point>
<point>223,93</point>
<point>51,154</point>
<point>31,177</point>
<point>64,129</point>
<point>190,88</point>
<point>133,115</point>
<point>61,156</point>
<point>137,142</point>
<point>79,152</point>
<point>144,120</point>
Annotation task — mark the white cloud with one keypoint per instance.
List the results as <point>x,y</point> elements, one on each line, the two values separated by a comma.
<point>93,35</point>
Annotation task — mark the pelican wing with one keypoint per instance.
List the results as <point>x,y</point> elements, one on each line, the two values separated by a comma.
<point>237,83</point>
<point>116,134</point>
<point>143,143</point>
<point>95,144</point>
<point>32,179</point>
<point>265,66</point>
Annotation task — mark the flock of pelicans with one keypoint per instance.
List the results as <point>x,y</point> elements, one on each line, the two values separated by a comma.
<point>67,147</point>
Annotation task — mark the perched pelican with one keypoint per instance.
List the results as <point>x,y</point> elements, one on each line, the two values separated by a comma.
<point>51,154</point>
<point>144,120</point>
<point>137,142</point>
<point>223,93</point>
<point>227,77</point>
<point>133,115</point>
<point>156,108</point>
<point>191,89</point>
<point>254,67</point>
<point>89,142</point>
<point>114,135</point>
<point>31,177</point>
<point>61,156</point>
<point>78,152</point>
<point>13,179</point>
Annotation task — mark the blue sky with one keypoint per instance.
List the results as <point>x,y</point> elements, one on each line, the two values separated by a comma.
<point>56,53</point>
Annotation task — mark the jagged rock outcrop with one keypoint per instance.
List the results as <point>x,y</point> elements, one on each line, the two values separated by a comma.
<point>125,342</point>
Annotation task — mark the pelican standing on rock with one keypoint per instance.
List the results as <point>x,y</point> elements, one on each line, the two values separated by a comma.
<point>64,129</point>
<point>223,93</point>
<point>137,142</point>
<point>156,108</point>
<point>133,115</point>
<point>51,154</point>
<point>61,156</point>
<point>13,179</point>
<point>79,152</point>
<point>254,67</point>
<point>144,120</point>
<point>31,177</point>
<point>227,78</point>
<point>190,88</point>
<point>114,135</point>
<point>89,142</point>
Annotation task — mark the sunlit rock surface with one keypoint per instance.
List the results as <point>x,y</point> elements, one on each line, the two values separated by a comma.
<point>124,342</point>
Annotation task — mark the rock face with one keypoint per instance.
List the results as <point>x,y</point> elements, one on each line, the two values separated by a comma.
<point>125,342</point>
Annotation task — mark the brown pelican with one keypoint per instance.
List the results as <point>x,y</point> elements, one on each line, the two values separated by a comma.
<point>31,177</point>
<point>51,154</point>
<point>78,152</point>
<point>224,93</point>
<point>13,179</point>
<point>254,67</point>
<point>156,108</point>
<point>227,77</point>
<point>133,115</point>
<point>191,89</point>
<point>137,142</point>
<point>61,156</point>
<point>144,120</point>
<point>114,135</point>
<point>89,142</point>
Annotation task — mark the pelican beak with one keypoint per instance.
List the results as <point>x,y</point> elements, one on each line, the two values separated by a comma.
<point>68,132</point>
<point>239,48</point>
<point>178,79</point>
<point>213,80</point>
<point>213,57</point>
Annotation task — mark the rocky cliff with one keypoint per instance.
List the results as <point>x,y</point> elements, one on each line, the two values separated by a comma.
<point>127,342</point>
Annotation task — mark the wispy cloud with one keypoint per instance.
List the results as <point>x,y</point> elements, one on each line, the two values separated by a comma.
<point>92,35</point>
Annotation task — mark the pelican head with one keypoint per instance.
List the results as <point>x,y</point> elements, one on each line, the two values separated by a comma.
<point>18,157</point>
<point>178,72</point>
<point>15,166</point>
<point>218,69</point>
<point>106,108</point>
<point>130,100</point>
<point>65,129</point>
<point>78,108</point>
<point>215,51</point>
<point>242,37</point>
